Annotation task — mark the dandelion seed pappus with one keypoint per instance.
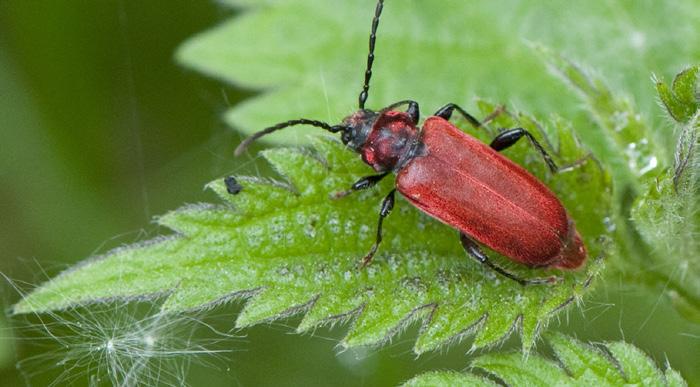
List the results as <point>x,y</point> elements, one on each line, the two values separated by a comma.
<point>120,344</point>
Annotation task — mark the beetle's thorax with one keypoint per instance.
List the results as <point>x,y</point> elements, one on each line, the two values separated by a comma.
<point>386,140</point>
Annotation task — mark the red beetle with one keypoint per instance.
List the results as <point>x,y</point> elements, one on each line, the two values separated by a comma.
<point>458,180</point>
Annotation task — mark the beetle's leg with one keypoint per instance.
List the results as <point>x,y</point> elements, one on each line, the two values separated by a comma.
<point>447,110</point>
<point>363,183</point>
<point>413,112</point>
<point>387,206</point>
<point>446,113</point>
<point>473,249</point>
<point>511,136</point>
<point>412,109</point>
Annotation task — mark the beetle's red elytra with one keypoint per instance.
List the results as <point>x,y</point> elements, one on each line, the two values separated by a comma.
<point>525,221</point>
<point>458,180</point>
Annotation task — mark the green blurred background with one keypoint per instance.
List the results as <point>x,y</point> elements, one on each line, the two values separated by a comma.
<point>101,130</point>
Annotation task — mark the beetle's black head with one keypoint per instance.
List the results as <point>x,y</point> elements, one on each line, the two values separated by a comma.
<point>357,128</point>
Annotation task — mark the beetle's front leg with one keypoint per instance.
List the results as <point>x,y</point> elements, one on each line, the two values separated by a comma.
<point>363,183</point>
<point>387,206</point>
<point>413,110</point>
<point>475,252</point>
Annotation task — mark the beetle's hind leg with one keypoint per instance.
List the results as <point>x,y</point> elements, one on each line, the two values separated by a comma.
<point>506,139</point>
<point>387,206</point>
<point>475,252</point>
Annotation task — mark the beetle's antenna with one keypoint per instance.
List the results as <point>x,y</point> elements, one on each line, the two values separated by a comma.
<point>301,121</point>
<point>370,56</point>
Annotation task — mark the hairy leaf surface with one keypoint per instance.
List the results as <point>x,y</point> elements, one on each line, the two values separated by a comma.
<point>288,248</point>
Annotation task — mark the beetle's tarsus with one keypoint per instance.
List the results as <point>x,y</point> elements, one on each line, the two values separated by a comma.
<point>368,258</point>
<point>387,206</point>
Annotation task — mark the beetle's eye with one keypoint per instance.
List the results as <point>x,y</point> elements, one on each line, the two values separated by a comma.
<point>347,136</point>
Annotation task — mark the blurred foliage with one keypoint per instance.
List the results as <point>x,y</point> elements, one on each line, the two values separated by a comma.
<point>667,214</point>
<point>72,127</point>
<point>665,211</point>
<point>578,364</point>
<point>314,69</point>
<point>96,120</point>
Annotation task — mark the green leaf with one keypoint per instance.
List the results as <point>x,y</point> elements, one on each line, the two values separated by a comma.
<point>288,248</point>
<point>577,364</point>
<point>449,378</point>
<point>681,98</point>
<point>667,214</point>
<point>442,60</point>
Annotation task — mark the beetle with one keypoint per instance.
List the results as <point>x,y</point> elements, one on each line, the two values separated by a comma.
<point>457,179</point>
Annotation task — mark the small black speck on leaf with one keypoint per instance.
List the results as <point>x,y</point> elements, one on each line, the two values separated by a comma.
<point>232,185</point>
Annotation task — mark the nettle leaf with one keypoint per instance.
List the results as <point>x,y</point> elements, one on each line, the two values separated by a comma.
<point>449,378</point>
<point>576,364</point>
<point>667,214</point>
<point>288,248</point>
